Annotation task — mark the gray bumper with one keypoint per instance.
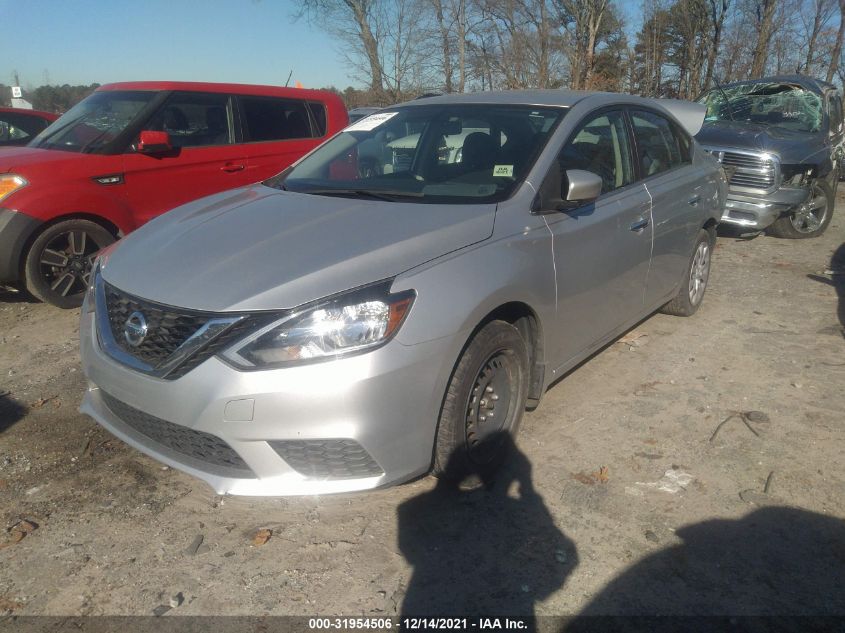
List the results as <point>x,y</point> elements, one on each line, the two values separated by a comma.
<point>385,402</point>
<point>759,211</point>
<point>15,229</point>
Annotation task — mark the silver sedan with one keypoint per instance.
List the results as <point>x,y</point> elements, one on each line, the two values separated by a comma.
<point>391,304</point>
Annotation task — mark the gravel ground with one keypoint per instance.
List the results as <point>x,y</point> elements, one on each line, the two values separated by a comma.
<point>620,499</point>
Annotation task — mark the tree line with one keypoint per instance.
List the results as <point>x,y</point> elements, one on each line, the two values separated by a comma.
<point>401,48</point>
<point>58,99</point>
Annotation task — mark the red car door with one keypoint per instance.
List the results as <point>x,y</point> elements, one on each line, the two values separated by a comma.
<point>204,158</point>
<point>278,131</point>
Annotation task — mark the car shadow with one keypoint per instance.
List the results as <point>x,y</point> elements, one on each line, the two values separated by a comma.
<point>11,294</point>
<point>775,561</point>
<point>482,545</point>
<point>11,411</point>
<point>836,279</point>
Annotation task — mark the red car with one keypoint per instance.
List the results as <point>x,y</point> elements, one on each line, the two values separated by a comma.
<point>19,127</point>
<point>130,152</point>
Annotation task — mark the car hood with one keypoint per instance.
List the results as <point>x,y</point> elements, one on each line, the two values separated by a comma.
<point>18,159</point>
<point>790,146</point>
<point>259,248</point>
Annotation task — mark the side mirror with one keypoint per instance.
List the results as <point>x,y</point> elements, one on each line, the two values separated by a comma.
<point>566,190</point>
<point>153,142</point>
<point>581,186</point>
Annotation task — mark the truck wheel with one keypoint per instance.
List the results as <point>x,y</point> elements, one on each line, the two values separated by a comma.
<point>57,269</point>
<point>484,402</point>
<point>811,219</point>
<point>691,294</point>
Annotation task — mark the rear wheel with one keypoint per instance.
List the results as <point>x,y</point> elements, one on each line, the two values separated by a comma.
<point>484,403</point>
<point>691,293</point>
<point>809,219</point>
<point>58,265</point>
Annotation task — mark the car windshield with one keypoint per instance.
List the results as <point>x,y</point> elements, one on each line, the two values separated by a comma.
<point>94,122</point>
<point>773,104</point>
<point>430,154</point>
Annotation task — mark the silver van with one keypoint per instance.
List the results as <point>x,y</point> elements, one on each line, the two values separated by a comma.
<point>395,300</point>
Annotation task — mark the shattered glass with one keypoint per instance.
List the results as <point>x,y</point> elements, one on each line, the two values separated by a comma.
<point>772,104</point>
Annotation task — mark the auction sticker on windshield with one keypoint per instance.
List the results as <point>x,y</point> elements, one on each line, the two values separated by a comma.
<point>371,122</point>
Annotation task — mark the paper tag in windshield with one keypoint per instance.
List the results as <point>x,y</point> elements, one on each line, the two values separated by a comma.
<point>503,170</point>
<point>371,122</point>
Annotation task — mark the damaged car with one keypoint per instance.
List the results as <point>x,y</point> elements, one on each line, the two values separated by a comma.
<point>342,328</point>
<point>780,139</point>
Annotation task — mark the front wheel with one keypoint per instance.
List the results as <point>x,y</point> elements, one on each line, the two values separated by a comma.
<point>691,293</point>
<point>58,265</point>
<point>809,219</point>
<point>484,403</point>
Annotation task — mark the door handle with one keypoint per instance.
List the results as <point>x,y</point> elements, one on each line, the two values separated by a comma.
<point>639,225</point>
<point>232,167</point>
<point>694,200</point>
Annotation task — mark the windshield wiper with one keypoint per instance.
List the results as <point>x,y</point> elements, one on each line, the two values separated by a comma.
<point>378,194</point>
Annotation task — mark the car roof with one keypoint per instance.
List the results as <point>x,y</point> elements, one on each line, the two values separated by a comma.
<point>199,86</point>
<point>27,111</point>
<point>551,97</point>
<point>808,83</point>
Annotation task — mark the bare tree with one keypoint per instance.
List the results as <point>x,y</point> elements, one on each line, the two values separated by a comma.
<point>823,11</point>
<point>837,48</point>
<point>765,12</point>
<point>718,12</point>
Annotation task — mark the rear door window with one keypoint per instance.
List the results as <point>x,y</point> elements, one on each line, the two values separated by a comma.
<point>661,146</point>
<point>195,119</point>
<point>271,119</point>
<point>318,114</point>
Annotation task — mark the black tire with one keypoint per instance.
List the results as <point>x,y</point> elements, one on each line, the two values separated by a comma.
<point>491,378</point>
<point>58,264</point>
<point>691,293</point>
<point>810,219</point>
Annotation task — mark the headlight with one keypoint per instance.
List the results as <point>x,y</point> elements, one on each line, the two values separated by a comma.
<point>353,322</point>
<point>10,183</point>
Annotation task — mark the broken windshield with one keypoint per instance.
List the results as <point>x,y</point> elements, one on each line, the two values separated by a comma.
<point>773,104</point>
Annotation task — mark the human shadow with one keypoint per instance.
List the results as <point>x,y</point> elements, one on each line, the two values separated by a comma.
<point>488,550</point>
<point>837,280</point>
<point>775,561</point>
<point>10,411</point>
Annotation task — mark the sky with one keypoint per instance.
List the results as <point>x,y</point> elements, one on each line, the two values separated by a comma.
<point>243,41</point>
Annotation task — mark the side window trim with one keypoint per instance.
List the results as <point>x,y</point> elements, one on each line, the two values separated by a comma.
<point>594,114</point>
<point>178,94</point>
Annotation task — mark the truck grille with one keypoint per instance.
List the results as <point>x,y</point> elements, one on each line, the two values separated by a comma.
<point>327,459</point>
<point>751,170</point>
<point>209,452</point>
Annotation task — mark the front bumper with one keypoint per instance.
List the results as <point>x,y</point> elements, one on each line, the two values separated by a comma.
<point>15,229</point>
<point>759,211</point>
<point>385,402</point>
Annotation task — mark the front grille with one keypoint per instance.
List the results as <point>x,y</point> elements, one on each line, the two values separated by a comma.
<point>177,339</point>
<point>754,171</point>
<point>327,459</point>
<point>210,452</point>
<point>167,328</point>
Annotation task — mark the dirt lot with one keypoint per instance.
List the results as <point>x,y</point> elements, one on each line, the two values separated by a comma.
<point>621,500</point>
